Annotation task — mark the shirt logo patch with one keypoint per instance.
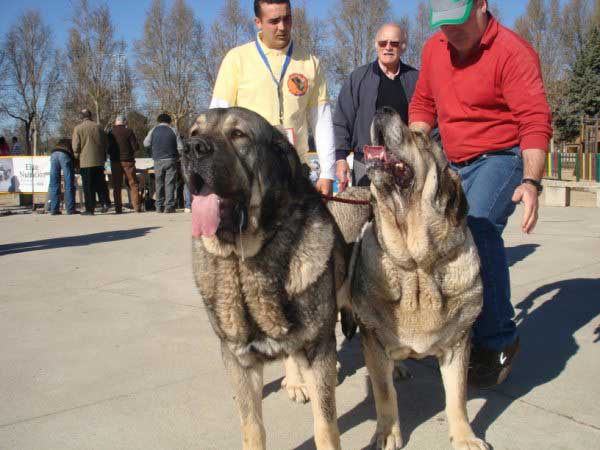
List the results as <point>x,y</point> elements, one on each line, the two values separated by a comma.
<point>297,84</point>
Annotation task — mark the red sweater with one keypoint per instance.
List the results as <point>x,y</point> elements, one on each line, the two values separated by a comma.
<point>493,101</point>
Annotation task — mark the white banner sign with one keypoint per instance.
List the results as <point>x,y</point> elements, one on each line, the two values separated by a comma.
<point>24,174</point>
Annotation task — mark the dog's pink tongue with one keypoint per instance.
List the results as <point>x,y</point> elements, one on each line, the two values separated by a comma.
<point>205,213</point>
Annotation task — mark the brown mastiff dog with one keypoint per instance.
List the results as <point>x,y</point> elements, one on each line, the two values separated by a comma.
<point>268,260</point>
<point>416,289</point>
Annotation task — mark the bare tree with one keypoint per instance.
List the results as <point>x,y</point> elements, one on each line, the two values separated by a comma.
<point>354,24</point>
<point>418,31</point>
<point>231,28</point>
<point>92,52</point>
<point>575,24</point>
<point>169,60</point>
<point>539,25</point>
<point>496,10</point>
<point>32,76</point>
<point>310,35</point>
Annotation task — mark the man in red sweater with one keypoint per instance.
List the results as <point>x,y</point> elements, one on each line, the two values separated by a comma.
<point>483,84</point>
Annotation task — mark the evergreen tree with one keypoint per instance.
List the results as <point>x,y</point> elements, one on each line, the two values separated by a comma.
<point>583,88</point>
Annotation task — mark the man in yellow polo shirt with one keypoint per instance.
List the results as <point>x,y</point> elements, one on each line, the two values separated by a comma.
<point>283,83</point>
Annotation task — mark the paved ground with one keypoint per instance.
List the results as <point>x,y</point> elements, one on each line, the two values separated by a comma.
<point>105,345</point>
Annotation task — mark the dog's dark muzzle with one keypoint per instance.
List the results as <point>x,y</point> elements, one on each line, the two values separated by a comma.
<point>197,147</point>
<point>195,161</point>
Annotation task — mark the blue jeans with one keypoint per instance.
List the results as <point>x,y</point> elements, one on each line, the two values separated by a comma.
<point>489,184</point>
<point>187,197</point>
<point>60,161</point>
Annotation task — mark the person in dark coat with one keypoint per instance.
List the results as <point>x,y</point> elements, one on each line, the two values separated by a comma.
<point>122,147</point>
<point>386,81</point>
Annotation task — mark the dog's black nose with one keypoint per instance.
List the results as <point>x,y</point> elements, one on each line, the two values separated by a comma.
<point>197,145</point>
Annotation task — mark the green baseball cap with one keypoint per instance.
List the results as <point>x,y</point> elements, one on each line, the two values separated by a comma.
<point>449,12</point>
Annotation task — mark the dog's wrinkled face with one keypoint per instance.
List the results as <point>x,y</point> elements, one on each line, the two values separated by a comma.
<point>238,169</point>
<point>408,169</point>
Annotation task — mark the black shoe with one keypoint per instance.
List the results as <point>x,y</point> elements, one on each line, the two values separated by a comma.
<point>87,213</point>
<point>488,368</point>
<point>55,213</point>
<point>104,209</point>
<point>170,210</point>
<point>160,210</point>
<point>73,212</point>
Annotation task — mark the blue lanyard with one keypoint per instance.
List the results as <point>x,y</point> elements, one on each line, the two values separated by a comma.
<point>286,63</point>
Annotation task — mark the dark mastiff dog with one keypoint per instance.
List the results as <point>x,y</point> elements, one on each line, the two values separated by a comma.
<point>416,289</point>
<point>268,260</point>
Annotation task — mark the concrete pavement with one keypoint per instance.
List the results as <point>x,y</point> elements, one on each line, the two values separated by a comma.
<point>105,345</point>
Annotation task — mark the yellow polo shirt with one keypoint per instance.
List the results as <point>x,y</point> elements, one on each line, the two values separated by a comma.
<point>244,80</point>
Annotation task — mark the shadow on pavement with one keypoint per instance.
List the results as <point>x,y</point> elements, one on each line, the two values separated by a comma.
<point>519,253</point>
<point>547,343</point>
<point>74,241</point>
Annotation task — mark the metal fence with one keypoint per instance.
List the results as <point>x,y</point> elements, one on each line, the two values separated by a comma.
<point>573,166</point>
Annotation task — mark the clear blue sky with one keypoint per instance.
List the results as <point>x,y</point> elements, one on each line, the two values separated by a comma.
<point>128,15</point>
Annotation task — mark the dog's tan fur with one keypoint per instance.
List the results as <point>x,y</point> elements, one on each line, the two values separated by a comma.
<point>416,286</point>
<point>270,288</point>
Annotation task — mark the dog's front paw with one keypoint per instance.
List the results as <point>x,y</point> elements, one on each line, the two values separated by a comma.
<point>297,392</point>
<point>471,443</point>
<point>387,439</point>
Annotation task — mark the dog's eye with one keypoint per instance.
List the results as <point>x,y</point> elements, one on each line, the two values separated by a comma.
<point>236,134</point>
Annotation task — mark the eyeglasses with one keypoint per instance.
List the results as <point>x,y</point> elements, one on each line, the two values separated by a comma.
<point>384,44</point>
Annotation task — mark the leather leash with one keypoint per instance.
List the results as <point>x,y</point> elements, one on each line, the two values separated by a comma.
<point>345,200</point>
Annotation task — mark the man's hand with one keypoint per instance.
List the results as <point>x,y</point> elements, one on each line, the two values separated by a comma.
<point>534,161</point>
<point>528,195</point>
<point>342,172</point>
<point>324,186</point>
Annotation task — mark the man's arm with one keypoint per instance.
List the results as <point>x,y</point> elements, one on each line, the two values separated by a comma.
<point>320,121</point>
<point>76,144</point>
<point>534,161</point>
<point>424,127</point>
<point>523,89</point>
<point>226,84</point>
<point>148,143</point>
<point>133,142</point>
<point>148,139</point>
<point>343,126</point>
<point>179,140</point>
<point>422,110</point>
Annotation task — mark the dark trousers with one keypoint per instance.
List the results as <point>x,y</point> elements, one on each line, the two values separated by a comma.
<point>165,176</point>
<point>93,180</point>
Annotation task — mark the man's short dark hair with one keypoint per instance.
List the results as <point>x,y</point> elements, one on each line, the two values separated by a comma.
<point>85,114</point>
<point>163,118</point>
<point>15,139</point>
<point>270,2</point>
<point>64,143</point>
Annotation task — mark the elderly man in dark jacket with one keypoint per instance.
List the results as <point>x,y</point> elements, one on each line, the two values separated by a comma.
<point>384,82</point>
<point>89,147</point>
<point>122,147</point>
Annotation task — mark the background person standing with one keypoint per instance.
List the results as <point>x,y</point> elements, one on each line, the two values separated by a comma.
<point>16,149</point>
<point>165,146</point>
<point>122,147</point>
<point>62,160</point>
<point>89,147</point>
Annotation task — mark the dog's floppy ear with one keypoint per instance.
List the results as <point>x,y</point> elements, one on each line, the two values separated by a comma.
<point>457,206</point>
<point>288,153</point>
